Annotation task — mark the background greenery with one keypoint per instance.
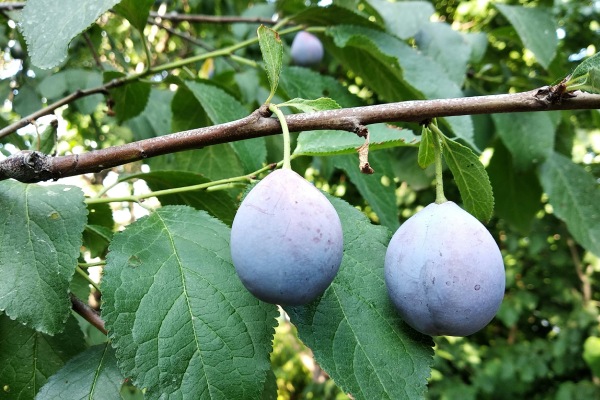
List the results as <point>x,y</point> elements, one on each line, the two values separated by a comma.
<point>544,170</point>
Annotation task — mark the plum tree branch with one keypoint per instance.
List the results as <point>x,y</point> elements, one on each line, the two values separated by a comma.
<point>28,166</point>
<point>213,19</point>
<point>87,313</point>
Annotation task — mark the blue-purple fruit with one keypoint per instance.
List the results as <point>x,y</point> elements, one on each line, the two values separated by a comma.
<point>286,240</point>
<point>444,272</point>
<point>307,49</point>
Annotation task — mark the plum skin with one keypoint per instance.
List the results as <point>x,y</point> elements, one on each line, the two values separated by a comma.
<point>306,49</point>
<point>286,240</point>
<point>444,272</point>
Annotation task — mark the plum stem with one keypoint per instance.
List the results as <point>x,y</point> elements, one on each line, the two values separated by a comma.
<point>437,152</point>
<point>286,135</point>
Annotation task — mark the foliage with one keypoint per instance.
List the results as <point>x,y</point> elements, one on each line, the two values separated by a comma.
<point>157,263</point>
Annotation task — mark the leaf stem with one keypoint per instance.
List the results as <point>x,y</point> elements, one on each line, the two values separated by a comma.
<point>220,184</point>
<point>92,264</point>
<point>286,136</point>
<point>437,152</point>
<point>87,277</point>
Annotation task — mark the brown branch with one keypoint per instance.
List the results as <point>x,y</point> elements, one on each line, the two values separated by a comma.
<point>89,314</point>
<point>11,6</point>
<point>35,166</point>
<point>212,19</point>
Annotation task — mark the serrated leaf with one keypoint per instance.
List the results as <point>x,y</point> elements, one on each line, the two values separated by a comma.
<point>586,76</point>
<point>471,178</point>
<point>272,54</point>
<point>536,28</point>
<point>320,104</point>
<point>381,197</point>
<point>426,155</point>
<point>49,26</point>
<point>128,100</point>
<point>528,136</point>
<point>181,321</point>
<point>28,358</point>
<point>326,142</point>
<point>575,199</point>
<point>403,19</point>
<point>517,192</point>
<point>353,330</point>
<point>37,260</point>
<point>396,71</point>
<point>218,203</point>
<point>221,107</point>
<point>136,12</point>
<point>92,374</point>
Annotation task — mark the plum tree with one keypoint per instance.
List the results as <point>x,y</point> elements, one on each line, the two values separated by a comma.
<point>307,49</point>
<point>286,240</point>
<point>444,272</point>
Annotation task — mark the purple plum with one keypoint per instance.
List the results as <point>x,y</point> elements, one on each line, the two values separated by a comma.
<point>444,272</point>
<point>307,49</point>
<point>286,240</point>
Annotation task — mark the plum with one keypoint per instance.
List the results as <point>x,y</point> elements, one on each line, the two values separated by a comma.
<point>286,240</point>
<point>307,49</point>
<point>444,272</point>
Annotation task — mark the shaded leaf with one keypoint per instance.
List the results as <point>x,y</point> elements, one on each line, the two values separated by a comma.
<point>426,155</point>
<point>575,199</point>
<point>528,136</point>
<point>128,100</point>
<point>326,142</point>
<point>517,192</point>
<point>471,178</point>
<point>37,260</point>
<point>181,321</point>
<point>136,11</point>
<point>221,107</point>
<point>28,358</point>
<point>49,26</point>
<point>381,197</point>
<point>55,86</point>
<point>272,54</point>
<point>353,330</point>
<point>403,19</point>
<point>92,374</point>
<point>536,28</point>
<point>27,101</point>
<point>320,104</point>
<point>333,15</point>
<point>156,118</point>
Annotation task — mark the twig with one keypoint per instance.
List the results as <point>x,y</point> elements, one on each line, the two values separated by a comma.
<point>34,166</point>
<point>95,55</point>
<point>586,287</point>
<point>87,313</point>
<point>11,6</point>
<point>212,19</point>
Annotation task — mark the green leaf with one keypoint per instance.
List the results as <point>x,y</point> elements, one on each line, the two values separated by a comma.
<point>45,140</point>
<point>128,100</point>
<point>320,104</point>
<point>97,238</point>
<point>471,179</point>
<point>156,118</point>
<point>591,354</point>
<point>272,53</point>
<point>308,84</point>
<point>536,28</point>
<point>136,12</point>
<point>217,203</point>
<point>403,19</point>
<point>395,70</point>
<point>381,136</point>
<point>92,374</point>
<point>426,155</point>
<point>49,26</point>
<point>575,199</point>
<point>37,260</point>
<point>26,101</point>
<point>28,358</point>
<point>353,330</point>
<point>333,15</point>
<point>180,319</point>
<point>586,76</point>
<point>528,136</point>
<point>517,192</point>
<point>380,196</point>
<point>221,107</point>
<point>55,86</point>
